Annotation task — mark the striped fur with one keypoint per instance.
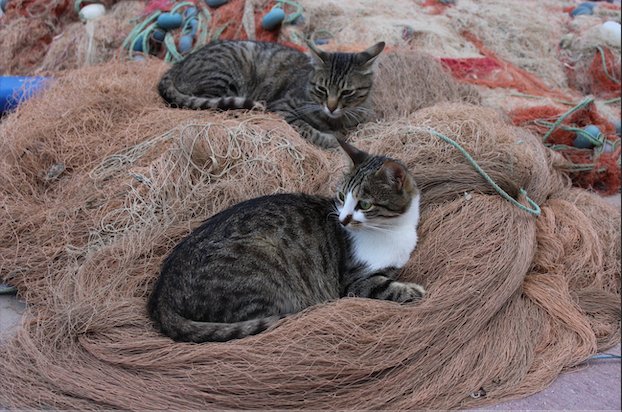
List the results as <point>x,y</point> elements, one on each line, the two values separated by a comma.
<point>263,259</point>
<point>322,94</point>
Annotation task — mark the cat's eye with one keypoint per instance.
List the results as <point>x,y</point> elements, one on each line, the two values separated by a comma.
<point>364,204</point>
<point>322,90</point>
<point>347,93</point>
<point>341,197</point>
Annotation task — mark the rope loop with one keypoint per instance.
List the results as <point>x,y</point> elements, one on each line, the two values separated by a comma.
<point>535,210</point>
<point>602,55</point>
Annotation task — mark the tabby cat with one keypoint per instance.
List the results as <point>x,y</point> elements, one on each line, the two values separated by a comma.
<point>263,259</point>
<point>322,95</point>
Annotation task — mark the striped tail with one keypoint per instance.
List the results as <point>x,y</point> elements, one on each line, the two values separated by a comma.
<point>182,329</point>
<point>175,98</point>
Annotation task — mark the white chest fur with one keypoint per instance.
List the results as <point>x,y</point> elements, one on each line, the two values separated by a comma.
<point>390,244</point>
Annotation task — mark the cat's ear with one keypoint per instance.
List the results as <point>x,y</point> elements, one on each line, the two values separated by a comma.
<point>319,55</point>
<point>393,173</point>
<point>357,156</point>
<point>366,58</point>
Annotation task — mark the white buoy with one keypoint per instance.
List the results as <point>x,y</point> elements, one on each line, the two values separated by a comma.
<point>92,12</point>
<point>613,27</point>
<point>610,31</point>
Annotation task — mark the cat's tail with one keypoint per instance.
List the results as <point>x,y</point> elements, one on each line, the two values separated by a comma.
<point>180,328</point>
<point>175,98</point>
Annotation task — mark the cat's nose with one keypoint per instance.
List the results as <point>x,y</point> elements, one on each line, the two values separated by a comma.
<point>346,220</point>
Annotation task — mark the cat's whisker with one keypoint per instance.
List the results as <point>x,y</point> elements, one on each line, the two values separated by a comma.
<point>306,110</point>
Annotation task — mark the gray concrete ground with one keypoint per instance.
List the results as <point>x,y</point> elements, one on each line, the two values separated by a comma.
<point>595,386</point>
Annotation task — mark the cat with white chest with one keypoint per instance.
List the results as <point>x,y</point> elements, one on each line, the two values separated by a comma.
<point>263,259</point>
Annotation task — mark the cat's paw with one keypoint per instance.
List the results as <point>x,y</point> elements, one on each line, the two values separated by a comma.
<point>406,292</point>
<point>326,140</point>
<point>259,106</point>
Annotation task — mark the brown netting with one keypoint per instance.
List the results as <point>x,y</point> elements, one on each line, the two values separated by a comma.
<point>30,27</point>
<point>406,81</point>
<point>512,299</point>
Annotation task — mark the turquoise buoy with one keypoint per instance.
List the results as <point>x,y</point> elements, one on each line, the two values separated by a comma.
<point>3,5</point>
<point>158,35</point>
<point>170,21</point>
<point>273,19</point>
<point>618,126</point>
<point>185,44</point>
<point>194,24</point>
<point>138,46</point>
<point>582,142</point>
<point>215,3</point>
<point>583,9</point>
<point>190,12</point>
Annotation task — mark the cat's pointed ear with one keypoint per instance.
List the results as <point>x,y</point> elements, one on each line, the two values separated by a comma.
<point>357,156</point>
<point>393,173</point>
<point>319,55</point>
<point>367,57</point>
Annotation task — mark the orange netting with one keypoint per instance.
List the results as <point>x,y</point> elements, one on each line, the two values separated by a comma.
<point>601,169</point>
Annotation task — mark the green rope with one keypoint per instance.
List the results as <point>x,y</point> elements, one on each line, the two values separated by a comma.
<point>596,141</point>
<point>617,99</point>
<point>562,117</point>
<point>172,53</point>
<point>144,30</point>
<point>220,30</point>
<point>602,55</point>
<point>536,209</point>
<point>293,16</point>
<point>135,34</point>
<point>201,31</point>
<point>322,32</point>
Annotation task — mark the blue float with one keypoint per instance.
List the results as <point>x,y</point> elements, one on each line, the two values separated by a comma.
<point>138,46</point>
<point>14,90</point>
<point>193,24</point>
<point>618,126</point>
<point>185,44</point>
<point>158,35</point>
<point>583,9</point>
<point>3,5</point>
<point>190,12</point>
<point>170,21</point>
<point>582,142</point>
<point>216,3</point>
<point>273,19</point>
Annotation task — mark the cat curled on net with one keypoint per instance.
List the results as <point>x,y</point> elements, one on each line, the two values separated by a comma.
<point>266,258</point>
<point>322,94</point>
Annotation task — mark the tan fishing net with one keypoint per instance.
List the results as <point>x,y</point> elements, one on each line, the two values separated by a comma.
<point>99,180</point>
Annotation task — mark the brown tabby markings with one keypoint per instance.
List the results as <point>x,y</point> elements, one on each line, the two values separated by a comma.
<point>263,259</point>
<point>322,95</point>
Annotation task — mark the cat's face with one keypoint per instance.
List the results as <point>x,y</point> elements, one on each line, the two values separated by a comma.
<point>341,82</point>
<point>376,192</point>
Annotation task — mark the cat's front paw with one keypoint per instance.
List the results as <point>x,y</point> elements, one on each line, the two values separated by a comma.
<point>406,292</point>
<point>259,106</point>
<point>326,140</point>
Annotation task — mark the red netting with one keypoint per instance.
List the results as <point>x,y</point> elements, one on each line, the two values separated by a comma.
<point>470,67</point>
<point>602,79</point>
<point>605,174</point>
<point>496,72</point>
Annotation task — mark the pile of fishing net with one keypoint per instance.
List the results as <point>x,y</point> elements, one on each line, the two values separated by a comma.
<point>591,51</point>
<point>40,37</point>
<point>99,180</point>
